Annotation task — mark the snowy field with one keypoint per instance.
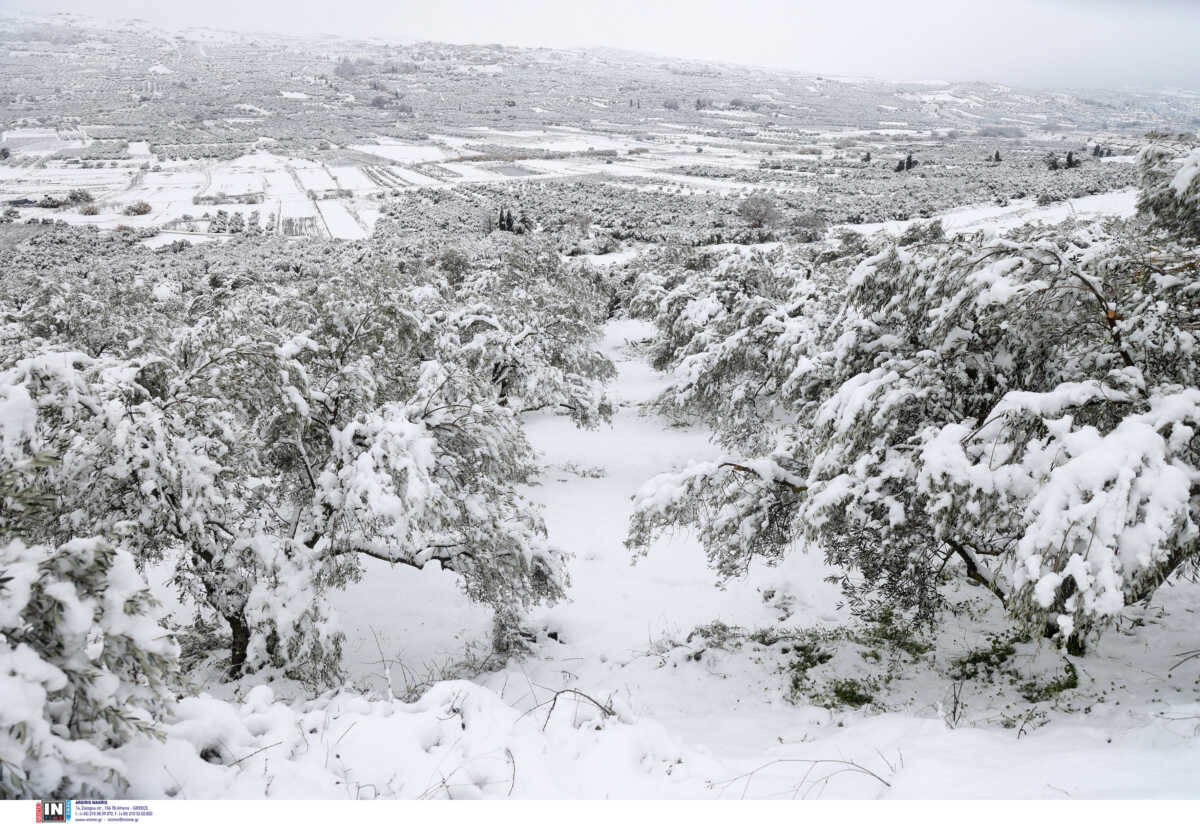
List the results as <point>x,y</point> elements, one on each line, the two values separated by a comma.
<point>280,185</point>
<point>655,156</point>
<point>992,218</point>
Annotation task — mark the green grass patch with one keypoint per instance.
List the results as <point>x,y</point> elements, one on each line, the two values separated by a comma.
<point>985,661</point>
<point>851,692</point>
<point>1035,692</point>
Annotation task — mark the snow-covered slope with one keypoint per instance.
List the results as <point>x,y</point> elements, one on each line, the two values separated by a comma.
<point>622,697</point>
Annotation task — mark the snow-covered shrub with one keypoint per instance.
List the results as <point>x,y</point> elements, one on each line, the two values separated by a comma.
<point>1170,190</point>
<point>758,210</point>
<point>540,337</point>
<point>731,328</point>
<point>85,667</point>
<point>1022,410</point>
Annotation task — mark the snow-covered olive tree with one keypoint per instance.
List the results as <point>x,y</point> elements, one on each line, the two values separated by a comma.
<point>1020,410</point>
<point>258,428</point>
<point>84,666</point>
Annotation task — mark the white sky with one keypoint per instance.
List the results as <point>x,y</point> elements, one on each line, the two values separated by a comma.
<point>1051,43</point>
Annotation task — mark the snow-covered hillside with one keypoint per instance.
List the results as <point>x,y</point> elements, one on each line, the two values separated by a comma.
<point>621,697</point>
<point>419,420</point>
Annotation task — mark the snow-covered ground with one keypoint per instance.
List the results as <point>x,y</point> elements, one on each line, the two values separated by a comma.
<point>621,697</point>
<point>1120,203</point>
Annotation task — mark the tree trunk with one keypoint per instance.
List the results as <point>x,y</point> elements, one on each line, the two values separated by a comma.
<point>239,643</point>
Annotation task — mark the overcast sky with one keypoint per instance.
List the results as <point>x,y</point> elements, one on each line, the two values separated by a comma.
<point>1043,43</point>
